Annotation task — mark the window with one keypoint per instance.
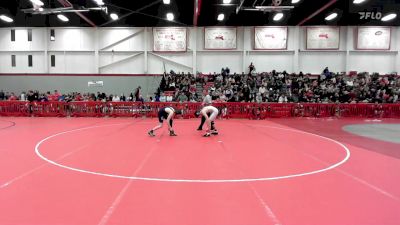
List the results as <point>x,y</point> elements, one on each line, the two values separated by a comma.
<point>30,60</point>
<point>29,34</point>
<point>13,61</point>
<point>53,61</point>
<point>52,35</point>
<point>12,35</point>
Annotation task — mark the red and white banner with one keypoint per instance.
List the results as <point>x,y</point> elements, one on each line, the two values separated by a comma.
<point>169,39</point>
<point>320,38</point>
<point>270,38</point>
<point>373,38</point>
<point>220,38</point>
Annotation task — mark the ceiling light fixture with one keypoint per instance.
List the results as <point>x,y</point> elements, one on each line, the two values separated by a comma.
<point>221,17</point>
<point>166,2</point>
<point>388,17</point>
<point>62,18</point>
<point>331,16</point>
<point>114,16</point>
<point>6,19</point>
<point>99,2</point>
<point>226,1</point>
<point>278,16</point>
<point>170,16</point>
<point>295,1</point>
<point>358,1</point>
<point>37,2</point>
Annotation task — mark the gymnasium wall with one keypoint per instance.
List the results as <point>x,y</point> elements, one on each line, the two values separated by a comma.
<point>112,84</point>
<point>129,51</point>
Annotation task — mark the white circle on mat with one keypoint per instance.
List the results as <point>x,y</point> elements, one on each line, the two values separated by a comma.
<point>37,151</point>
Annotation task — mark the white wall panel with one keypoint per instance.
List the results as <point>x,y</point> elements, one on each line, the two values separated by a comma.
<point>76,50</point>
<point>72,62</point>
<point>5,39</point>
<point>38,39</point>
<point>73,39</point>
<point>213,61</point>
<point>21,40</point>
<point>380,62</point>
<point>79,62</point>
<point>21,62</point>
<point>315,62</point>
<point>110,36</point>
<point>268,61</point>
<point>121,63</point>
<point>182,62</point>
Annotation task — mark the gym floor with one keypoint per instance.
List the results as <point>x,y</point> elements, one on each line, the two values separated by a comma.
<point>279,171</point>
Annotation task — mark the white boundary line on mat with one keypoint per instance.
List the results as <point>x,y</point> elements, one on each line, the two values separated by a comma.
<point>37,150</point>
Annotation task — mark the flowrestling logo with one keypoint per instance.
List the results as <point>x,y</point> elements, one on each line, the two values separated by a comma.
<point>367,15</point>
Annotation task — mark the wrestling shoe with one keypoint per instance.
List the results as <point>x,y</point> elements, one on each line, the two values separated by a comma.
<point>151,133</point>
<point>214,132</point>
<point>172,133</point>
<point>207,135</point>
<point>199,128</point>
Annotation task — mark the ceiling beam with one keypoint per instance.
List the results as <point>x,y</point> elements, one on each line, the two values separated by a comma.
<point>317,12</point>
<point>66,3</point>
<point>131,12</point>
<point>196,12</point>
<point>240,6</point>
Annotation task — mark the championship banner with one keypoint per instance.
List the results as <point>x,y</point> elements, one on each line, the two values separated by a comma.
<point>373,38</point>
<point>270,38</point>
<point>169,39</point>
<point>220,38</point>
<point>323,38</point>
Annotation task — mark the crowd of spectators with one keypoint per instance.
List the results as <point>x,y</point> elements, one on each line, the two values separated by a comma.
<point>283,87</point>
<point>33,96</point>
<point>271,86</point>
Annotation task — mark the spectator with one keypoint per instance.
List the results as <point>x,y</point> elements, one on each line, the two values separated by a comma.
<point>251,68</point>
<point>207,99</point>
<point>122,97</point>
<point>138,94</point>
<point>12,97</point>
<point>182,97</point>
<point>116,98</point>
<point>23,96</point>
<point>271,86</point>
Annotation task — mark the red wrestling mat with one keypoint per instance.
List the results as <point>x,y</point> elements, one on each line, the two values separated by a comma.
<point>109,171</point>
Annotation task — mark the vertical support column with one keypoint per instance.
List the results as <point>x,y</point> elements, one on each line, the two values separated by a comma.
<point>46,50</point>
<point>96,51</point>
<point>194,49</point>
<point>146,43</point>
<point>349,41</point>
<point>396,44</point>
<point>297,40</point>
<point>65,63</point>
<point>244,56</point>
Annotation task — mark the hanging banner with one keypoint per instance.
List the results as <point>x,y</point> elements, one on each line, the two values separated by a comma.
<point>323,38</point>
<point>220,38</point>
<point>270,38</point>
<point>169,39</point>
<point>373,38</point>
